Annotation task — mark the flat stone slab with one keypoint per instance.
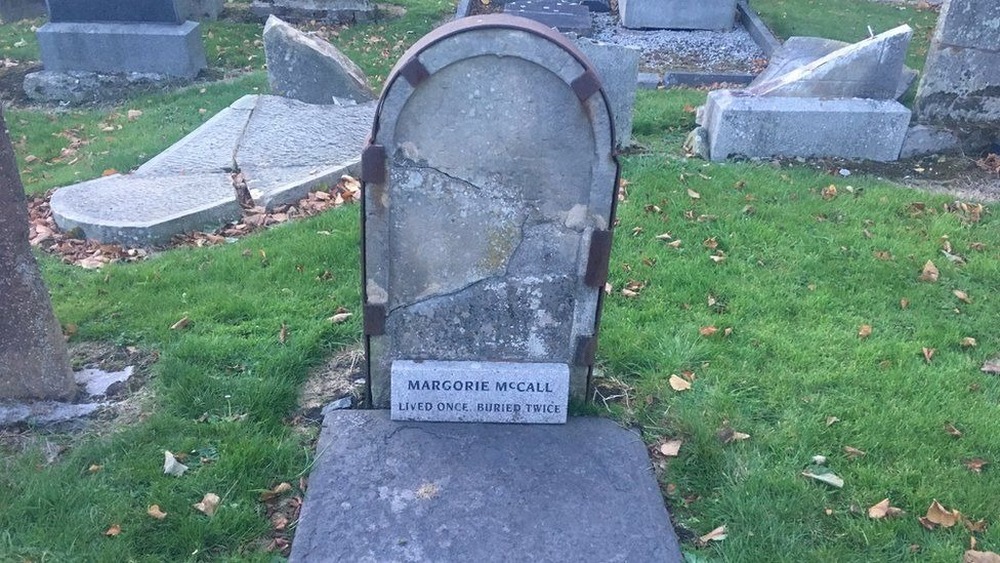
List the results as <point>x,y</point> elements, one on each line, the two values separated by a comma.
<point>563,15</point>
<point>440,492</point>
<point>284,148</point>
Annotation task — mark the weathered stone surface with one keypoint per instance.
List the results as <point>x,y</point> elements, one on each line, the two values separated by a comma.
<point>332,11</point>
<point>563,15</point>
<point>799,52</point>
<point>80,87</point>
<point>149,11</point>
<point>618,67</point>
<point>678,14</point>
<point>742,125</point>
<point>284,148</point>
<point>756,27</point>
<point>174,50</point>
<point>480,391</point>
<point>309,69</point>
<point>422,492</point>
<point>871,68</point>
<point>922,139</point>
<point>34,363</point>
<point>675,78</point>
<point>15,10</point>
<point>961,80</point>
<point>597,6</point>
<point>497,175</point>
<point>199,10</point>
<point>649,81</point>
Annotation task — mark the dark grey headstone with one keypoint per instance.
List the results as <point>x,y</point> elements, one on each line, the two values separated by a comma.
<point>447,492</point>
<point>148,11</point>
<point>597,6</point>
<point>498,177</point>
<point>561,14</point>
<point>15,10</point>
<point>34,363</point>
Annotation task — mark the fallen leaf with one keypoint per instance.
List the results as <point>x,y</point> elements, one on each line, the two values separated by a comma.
<point>671,448</point>
<point>181,324</point>
<point>674,243</point>
<point>926,523</point>
<point>973,556</point>
<point>113,531</point>
<point>829,192</point>
<point>853,453</point>
<point>975,465</point>
<point>977,527</point>
<point>711,243</point>
<point>693,194</point>
<point>340,317</point>
<point>883,510</point>
<point>718,257</point>
<point>707,330</point>
<point>155,512</point>
<point>679,383</point>
<point>171,466</point>
<point>727,435</point>
<point>968,342</point>
<point>938,514</point>
<point>977,246</point>
<point>883,255</point>
<point>928,354</point>
<point>209,503</point>
<point>629,293</point>
<point>829,478</point>
<point>865,331</point>
<point>717,534</point>
<point>831,420</point>
<point>962,296</point>
<point>930,273</point>
<point>134,114</point>
<point>109,172</point>
<point>991,365</point>
<point>94,468</point>
<point>904,303</point>
<point>950,429</point>
<point>277,491</point>
<point>283,333</point>
<point>664,236</point>
<point>30,158</point>
<point>279,521</point>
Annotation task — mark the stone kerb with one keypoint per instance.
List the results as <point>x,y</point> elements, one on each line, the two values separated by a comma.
<point>488,200</point>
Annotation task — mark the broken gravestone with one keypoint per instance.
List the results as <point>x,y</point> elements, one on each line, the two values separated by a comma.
<point>489,194</point>
<point>309,69</point>
<point>34,364</point>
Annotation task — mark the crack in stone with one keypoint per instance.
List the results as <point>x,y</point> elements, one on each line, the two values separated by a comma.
<point>243,134</point>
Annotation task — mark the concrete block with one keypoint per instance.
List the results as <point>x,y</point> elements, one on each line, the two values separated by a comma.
<point>871,68</point>
<point>309,69</point>
<point>742,125</point>
<point>922,140</point>
<point>563,15</point>
<point>678,14</point>
<point>618,67</point>
<point>173,50</point>
<point>423,491</point>
<point>649,81</point>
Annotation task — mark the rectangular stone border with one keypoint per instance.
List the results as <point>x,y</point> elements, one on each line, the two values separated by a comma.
<point>749,19</point>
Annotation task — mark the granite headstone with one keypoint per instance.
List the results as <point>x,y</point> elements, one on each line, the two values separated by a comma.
<point>146,11</point>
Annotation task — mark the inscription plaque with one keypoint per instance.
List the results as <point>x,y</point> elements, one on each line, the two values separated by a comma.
<point>451,391</point>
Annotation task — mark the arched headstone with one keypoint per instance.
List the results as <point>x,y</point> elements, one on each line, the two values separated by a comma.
<point>489,190</point>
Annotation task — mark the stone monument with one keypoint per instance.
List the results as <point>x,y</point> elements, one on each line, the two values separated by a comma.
<point>715,15</point>
<point>34,364</point>
<point>485,254</point>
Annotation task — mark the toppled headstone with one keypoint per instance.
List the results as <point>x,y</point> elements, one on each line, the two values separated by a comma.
<point>566,16</point>
<point>618,67</point>
<point>872,68</point>
<point>716,15</point>
<point>961,80</point>
<point>309,69</point>
<point>489,187</point>
<point>330,11</point>
<point>34,363</point>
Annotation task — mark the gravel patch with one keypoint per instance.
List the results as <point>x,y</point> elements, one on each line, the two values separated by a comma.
<point>702,51</point>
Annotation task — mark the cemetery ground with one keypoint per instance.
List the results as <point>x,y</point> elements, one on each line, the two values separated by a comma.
<point>759,314</point>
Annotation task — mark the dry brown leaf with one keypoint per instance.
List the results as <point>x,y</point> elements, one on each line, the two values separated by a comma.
<point>181,324</point>
<point>707,330</point>
<point>865,331</point>
<point>928,353</point>
<point>968,342</point>
<point>94,468</point>
<point>340,318</point>
<point>727,435</point>
<point>975,465</point>
<point>718,257</point>
<point>991,366</point>
<point>693,194</point>
<point>664,236</point>
<point>977,246</point>
<point>973,556</point>
<point>208,505</point>
<point>950,429</point>
<point>155,512</point>
<point>962,296</point>
<point>279,521</point>
<point>831,420</point>
<point>883,255</point>
<point>277,491</point>
<point>829,192</point>
<point>904,303</point>
<point>113,531</point>
<point>629,293</point>
<point>853,453</point>
<point>938,514</point>
<point>884,510</point>
<point>717,534</point>
<point>976,527</point>
<point>926,523</point>
<point>710,243</point>
<point>930,273</point>
<point>674,243</point>
<point>283,333</point>
<point>831,479</point>
<point>679,383</point>
<point>134,114</point>
<point>671,448</point>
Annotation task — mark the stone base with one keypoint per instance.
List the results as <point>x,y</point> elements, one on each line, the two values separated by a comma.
<point>751,126</point>
<point>173,50</point>
<point>331,11</point>
<point>395,491</point>
<point>678,14</point>
<point>80,87</point>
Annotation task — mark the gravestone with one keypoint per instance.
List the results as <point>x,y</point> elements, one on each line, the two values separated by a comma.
<point>330,11</point>
<point>489,190</point>
<point>34,364</point>
<point>566,16</point>
<point>715,15</point>
<point>16,10</point>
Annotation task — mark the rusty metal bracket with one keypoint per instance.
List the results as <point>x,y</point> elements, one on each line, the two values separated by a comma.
<point>373,164</point>
<point>586,85</point>
<point>597,260</point>
<point>414,72</point>
<point>586,350</point>
<point>374,320</point>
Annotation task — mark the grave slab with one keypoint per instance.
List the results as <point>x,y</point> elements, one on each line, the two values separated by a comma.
<point>310,69</point>
<point>563,15</point>
<point>715,15</point>
<point>738,124</point>
<point>872,68</point>
<point>442,492</point>
<point>173,50</point>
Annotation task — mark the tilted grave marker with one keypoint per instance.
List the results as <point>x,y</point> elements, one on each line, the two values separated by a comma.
<point>489,190</point>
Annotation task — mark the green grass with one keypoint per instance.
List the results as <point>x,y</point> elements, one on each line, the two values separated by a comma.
<point>799,278</point>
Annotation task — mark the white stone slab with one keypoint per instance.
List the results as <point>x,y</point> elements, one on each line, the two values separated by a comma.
<point>448,391</point>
